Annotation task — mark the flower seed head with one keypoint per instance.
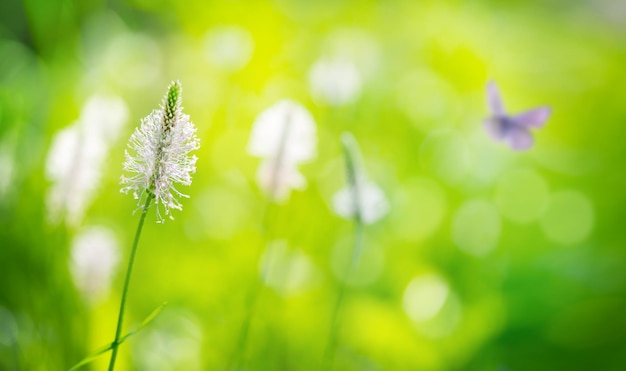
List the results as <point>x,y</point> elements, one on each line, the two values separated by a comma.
<point>158,155</point>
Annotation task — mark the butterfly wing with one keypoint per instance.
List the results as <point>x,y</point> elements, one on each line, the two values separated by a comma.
<point>493,127</point>
<point>519,138</point>
<point>534,118</point>
<point>494,100</point>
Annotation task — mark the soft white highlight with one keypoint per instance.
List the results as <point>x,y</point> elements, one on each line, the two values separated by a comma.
<point>284,136</point>
<point>288,271</point>
<point>285,130</point>
<point>335,81</point>
<point>77,157</point>
<point>94,258</point>
<point>229,47</point>
<point>366,199</point>
<point>158,155</point>
<point>425,296</point>
<point>173,341</point>
<point>279,178</point>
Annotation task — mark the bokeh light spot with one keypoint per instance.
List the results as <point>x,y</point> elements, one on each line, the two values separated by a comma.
<point>8,327</point>
<point>229,47</point>
<point>476,227</point>
<point>368,267</point>
<point>222,212</point>
<point>521,195</point>
<point>569,218</point>
<point>425,296</point>
<point>133,60</point>
<point>419,209</point>
<point>448,155</point>
<point>172,342</point>
<point>288,271</point>
<point>435,97</point>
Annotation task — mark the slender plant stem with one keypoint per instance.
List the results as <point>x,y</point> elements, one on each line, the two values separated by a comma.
<point>129,270</point>
<point>257,286</point>
<point>350,156</point>
<point>240,352</point>
<point>254,292</point>
<point>335,322</point>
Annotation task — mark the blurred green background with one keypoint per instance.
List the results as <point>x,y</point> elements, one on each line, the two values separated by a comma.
<point>488,259</point>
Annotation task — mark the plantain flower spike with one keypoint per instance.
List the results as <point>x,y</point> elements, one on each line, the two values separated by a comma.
<point>361,199</point>
<point>158,155</point>
<point>284,136</point>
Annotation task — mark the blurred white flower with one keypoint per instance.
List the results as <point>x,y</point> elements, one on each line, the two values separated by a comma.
<point>365,198</point>
<point>229,47</point>
<point>77,156</point>
<point>284,136</point>
<point>279,178</point>
<point>94,258</point>
<point>161,159</point>
<point>105,116</point>
<point>335,81</point>
<point>361,198</point>
<point>285,130</point>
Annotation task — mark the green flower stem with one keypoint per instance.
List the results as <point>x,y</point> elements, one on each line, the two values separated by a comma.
<point>129,270</point>
<point>254,293</point>
<point>350,155</point>
<point>257,287</point>
<point>335,322</point>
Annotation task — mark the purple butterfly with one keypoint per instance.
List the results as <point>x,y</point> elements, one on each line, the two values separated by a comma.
<point>514,129</point>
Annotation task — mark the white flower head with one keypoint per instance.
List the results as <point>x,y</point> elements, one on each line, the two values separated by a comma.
<point>285,130</point>
<point>158,155</point>
<point>284,136</point>
<point>335,81</point>
<point>371,203</point>
<point>94,258</point>
<point>279,178</point>
<point>78,154</point>
<point>360,199</point>
<point>105,116</point>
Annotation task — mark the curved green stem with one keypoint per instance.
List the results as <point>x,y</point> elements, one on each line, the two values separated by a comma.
<point>129,270</point>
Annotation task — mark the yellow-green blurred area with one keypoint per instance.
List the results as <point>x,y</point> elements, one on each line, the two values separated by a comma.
<point>488,259</point>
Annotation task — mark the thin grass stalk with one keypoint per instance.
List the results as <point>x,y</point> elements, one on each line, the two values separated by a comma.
<point>129,270</point>
<point>350,158</point>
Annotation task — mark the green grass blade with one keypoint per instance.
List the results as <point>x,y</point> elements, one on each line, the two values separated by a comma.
<point>144,323</point>
<point>92,356</point>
